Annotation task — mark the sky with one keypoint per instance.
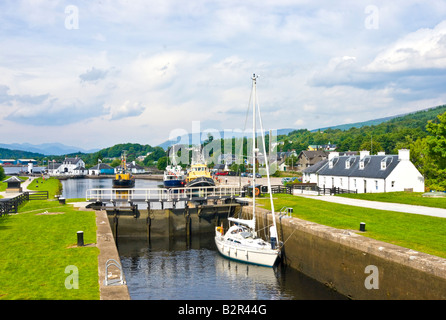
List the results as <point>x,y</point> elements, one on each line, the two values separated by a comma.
<point>94,73</point>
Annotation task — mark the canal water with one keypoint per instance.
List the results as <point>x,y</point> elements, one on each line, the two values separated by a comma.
<point>172,269</point>
<point>176,269</point>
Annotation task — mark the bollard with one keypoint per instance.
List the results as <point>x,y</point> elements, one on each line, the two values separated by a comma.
<point>80,238</point>
<point>362,226</point>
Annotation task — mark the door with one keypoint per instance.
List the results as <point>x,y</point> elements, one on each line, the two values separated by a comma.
<point>365,186</point>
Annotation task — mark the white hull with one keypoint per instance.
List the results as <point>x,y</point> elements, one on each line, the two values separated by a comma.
<point>259,256</point>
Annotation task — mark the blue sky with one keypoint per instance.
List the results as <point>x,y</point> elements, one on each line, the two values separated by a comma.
<point>96,73</point>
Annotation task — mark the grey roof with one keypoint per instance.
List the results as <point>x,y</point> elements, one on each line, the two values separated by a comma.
<point>315,167</point>
<point>101,166</point>
<point>13,179</point>
<point>372,166</point>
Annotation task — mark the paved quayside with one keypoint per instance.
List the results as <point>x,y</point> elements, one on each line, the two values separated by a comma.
<point>428,211</point>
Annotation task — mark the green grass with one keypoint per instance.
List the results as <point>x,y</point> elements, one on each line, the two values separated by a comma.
<point>52,185</point>
<point>413,198</point>
<point>36,250</point>
<point>420,233</point>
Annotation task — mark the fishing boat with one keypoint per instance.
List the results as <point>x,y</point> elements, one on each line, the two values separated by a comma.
<point>199,174</point>
<point>240,242</point>
<point>123,179</point>
<point>174,177</point>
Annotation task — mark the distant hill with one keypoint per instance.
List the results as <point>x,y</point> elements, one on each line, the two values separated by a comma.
<point>375,135</point>
<point>165,145</point>
<point>18,154</point>
<point>358,124</point>
<point>53,149</point>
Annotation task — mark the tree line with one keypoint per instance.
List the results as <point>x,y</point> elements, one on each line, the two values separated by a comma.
<point>423,132</point>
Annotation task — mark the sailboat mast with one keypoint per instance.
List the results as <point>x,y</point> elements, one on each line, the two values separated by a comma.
<point>254,78</point>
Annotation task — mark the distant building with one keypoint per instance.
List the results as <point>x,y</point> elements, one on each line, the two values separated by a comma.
<point>366,173</point>
<point>26,161</point>
<point>70,166</point>
<point>8,162</point>
<point>323,147</point>
<point>308,158</point>
<point>135,168</point>
<point>100,169</point>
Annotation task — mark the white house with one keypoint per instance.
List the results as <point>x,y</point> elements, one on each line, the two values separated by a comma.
<point>134,168</point>
<point>366,173</point>
<point>70,166</point>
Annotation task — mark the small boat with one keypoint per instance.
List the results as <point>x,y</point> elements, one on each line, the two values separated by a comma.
<point>241,242</point>
<point>123,179</point>
<point>199,174</point>
<point>174,177</point>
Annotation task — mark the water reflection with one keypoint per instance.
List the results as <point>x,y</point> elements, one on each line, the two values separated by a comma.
<point>171,269</point>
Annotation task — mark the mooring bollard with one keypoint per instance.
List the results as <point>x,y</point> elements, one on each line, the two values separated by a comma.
<point>80,238</point>
<point>362,226</point>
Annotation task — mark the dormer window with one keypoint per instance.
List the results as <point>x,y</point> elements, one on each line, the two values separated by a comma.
<point>347,164</point>
<point>383,164</point>
<point>330,164</point>
<point>361,165</point>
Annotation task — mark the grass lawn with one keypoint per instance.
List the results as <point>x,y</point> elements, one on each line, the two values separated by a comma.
<point>52,185</point>
<point>37,248</point>
<point>413,198</point>
<point>420,233</point>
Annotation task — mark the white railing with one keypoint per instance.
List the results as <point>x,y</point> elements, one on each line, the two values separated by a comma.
<point>160,194</point>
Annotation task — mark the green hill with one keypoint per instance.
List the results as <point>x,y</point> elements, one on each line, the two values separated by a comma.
<point>18,154</point>
<point>385,136</point>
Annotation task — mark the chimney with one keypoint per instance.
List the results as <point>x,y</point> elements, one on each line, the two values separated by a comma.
<point>381,153</point>
<point>332,155</point>
<point>363,153</point>
<point>404,154</point>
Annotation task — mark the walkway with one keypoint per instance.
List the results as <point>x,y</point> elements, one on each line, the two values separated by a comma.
<point>24,186</point>
<point>435,212</point>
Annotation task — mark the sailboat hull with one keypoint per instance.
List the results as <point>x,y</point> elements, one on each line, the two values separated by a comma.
<point>263,257</point>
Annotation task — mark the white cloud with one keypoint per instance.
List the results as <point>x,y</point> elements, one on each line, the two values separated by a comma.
<point>159,65</point>
<point>422,49</point>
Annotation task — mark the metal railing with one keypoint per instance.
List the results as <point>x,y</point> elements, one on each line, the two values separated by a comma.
<point>160,194</point>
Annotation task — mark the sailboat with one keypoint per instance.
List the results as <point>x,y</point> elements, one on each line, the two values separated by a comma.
<point>240,242</point>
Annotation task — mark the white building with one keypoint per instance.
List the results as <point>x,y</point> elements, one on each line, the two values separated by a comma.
<point>70,166</point>
<point>365,173</point>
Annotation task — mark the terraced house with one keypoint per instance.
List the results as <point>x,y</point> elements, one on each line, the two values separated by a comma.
<point>367,173</point>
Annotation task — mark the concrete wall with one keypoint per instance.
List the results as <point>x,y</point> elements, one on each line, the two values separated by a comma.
<point>359,267</point>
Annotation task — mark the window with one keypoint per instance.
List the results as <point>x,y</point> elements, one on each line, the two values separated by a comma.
<point>376,184</point>
<point>361,165</point>
<point>347,164</point>
<point>354,183</point>
<point>383,164</point>
<point>393,184</point>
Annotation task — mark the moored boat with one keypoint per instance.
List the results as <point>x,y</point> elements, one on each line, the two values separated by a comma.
<point>199,176</point>
<point>174,177</point>
<point>241,242</point>
<point>123,179</point>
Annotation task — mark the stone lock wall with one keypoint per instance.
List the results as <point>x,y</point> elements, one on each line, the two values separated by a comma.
<point>356,266</point>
